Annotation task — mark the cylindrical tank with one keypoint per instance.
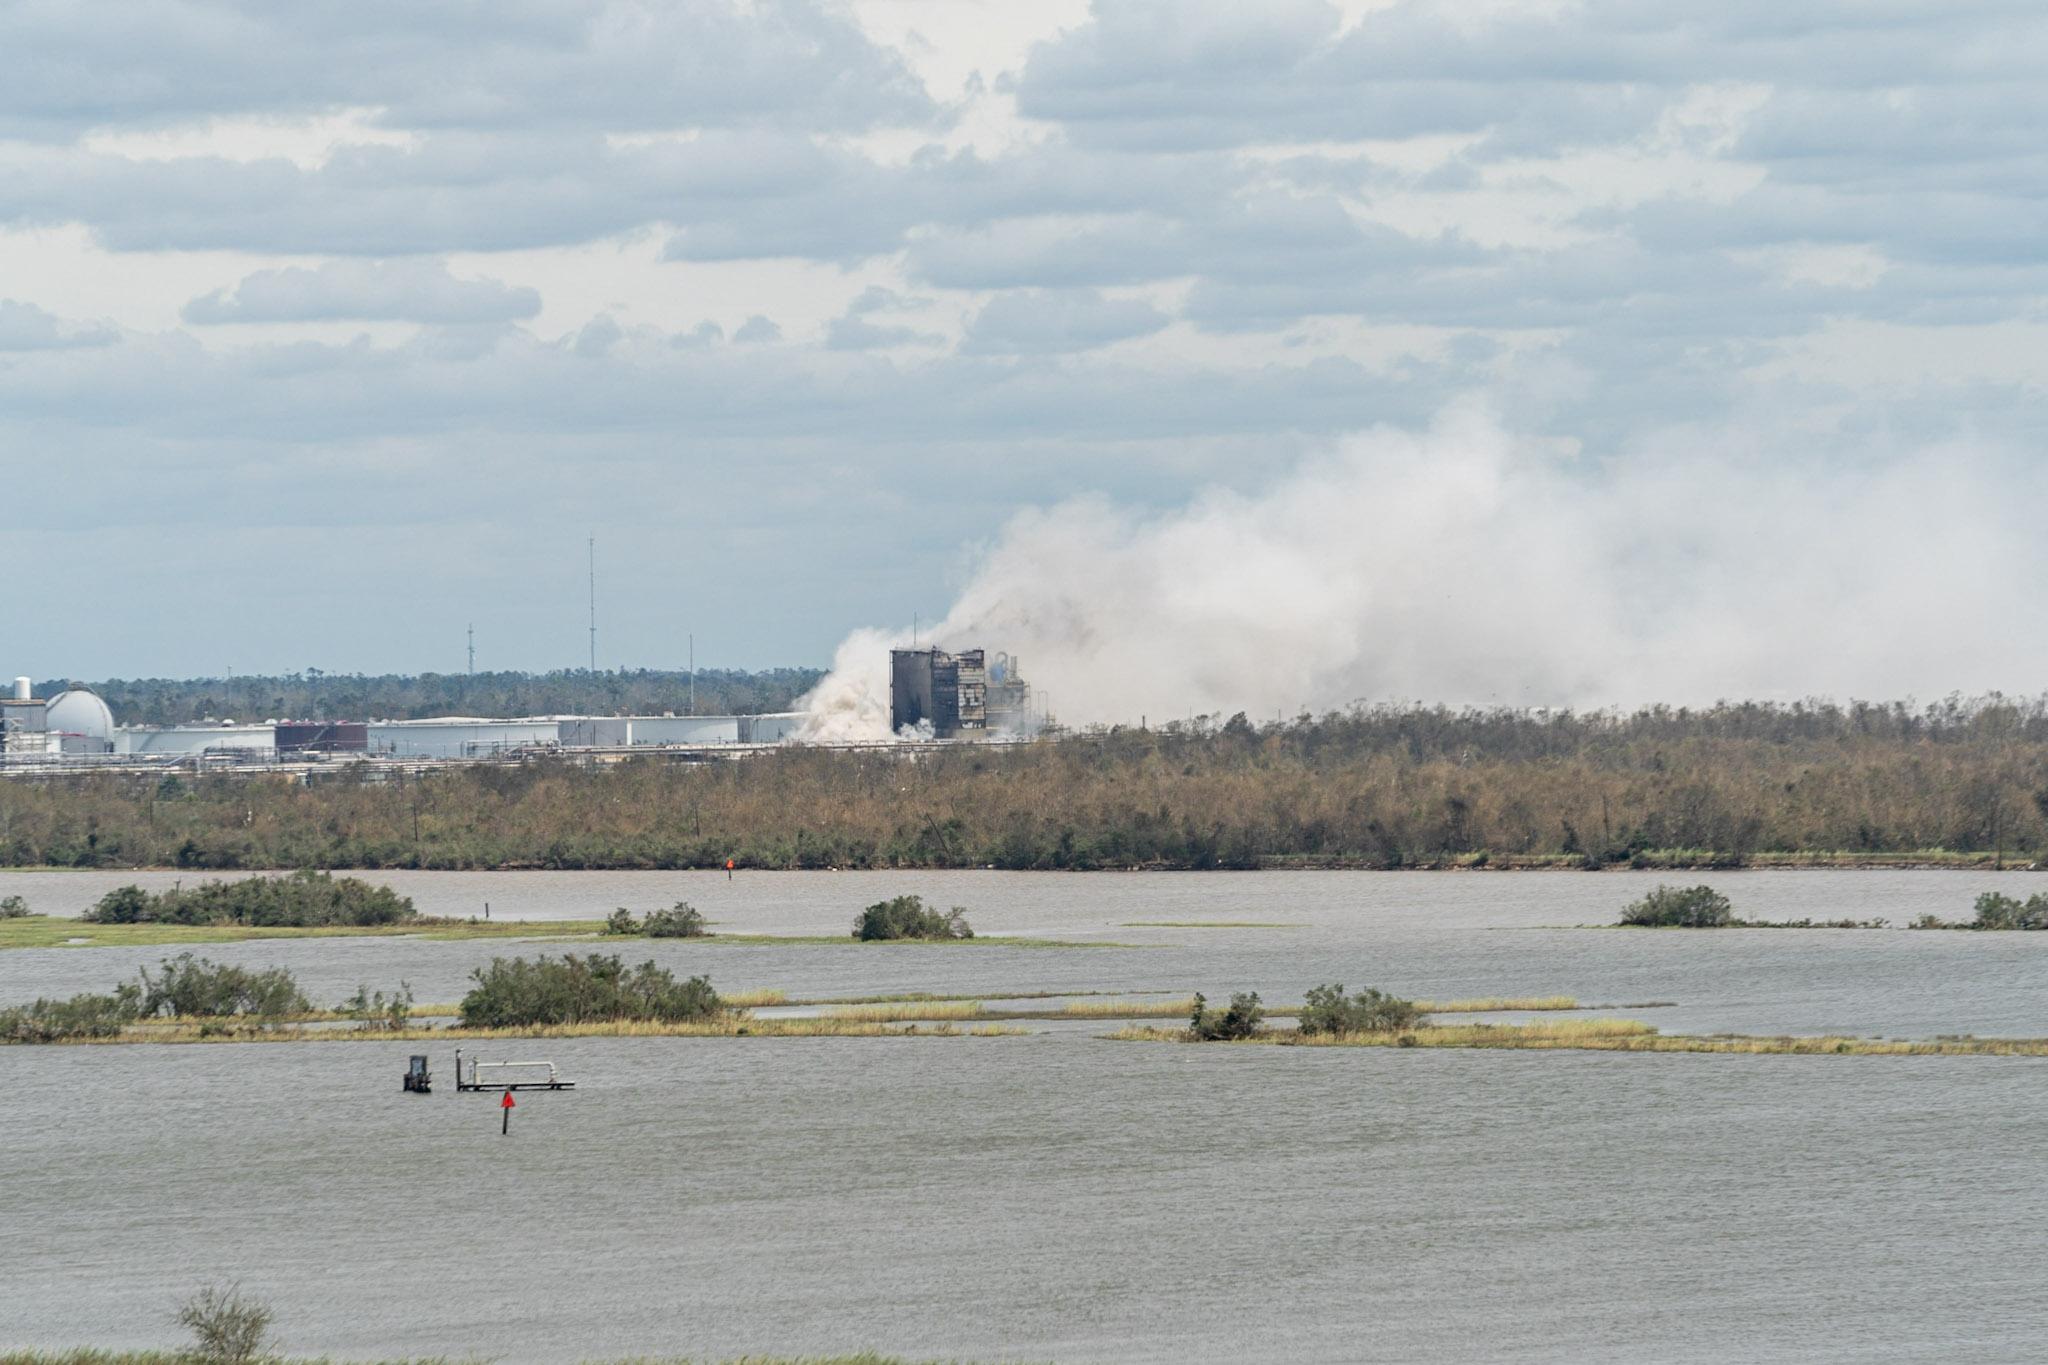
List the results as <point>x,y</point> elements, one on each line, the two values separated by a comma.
<point>23,689</point>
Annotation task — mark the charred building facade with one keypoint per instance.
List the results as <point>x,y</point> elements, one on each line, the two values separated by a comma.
<point>960,696</point>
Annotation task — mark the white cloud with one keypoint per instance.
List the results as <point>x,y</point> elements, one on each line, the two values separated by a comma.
<point>406,291</point>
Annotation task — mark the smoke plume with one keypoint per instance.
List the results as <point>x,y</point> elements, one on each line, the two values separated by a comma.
<point>1465,566</point>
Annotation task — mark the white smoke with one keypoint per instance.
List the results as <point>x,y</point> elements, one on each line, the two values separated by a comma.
<point>1465,566</point>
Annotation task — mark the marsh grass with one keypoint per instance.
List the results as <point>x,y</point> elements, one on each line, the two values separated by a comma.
<point>1623,1035</point>
<point>978,1009</point>
<point>738,1025</point>
<point>1495,1003</point>
<point>1209,924</point>
<point>89,1356</point>
<point>48,931</point>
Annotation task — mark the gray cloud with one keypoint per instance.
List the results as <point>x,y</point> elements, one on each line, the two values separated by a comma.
<point>620,64</point>
<point>405,291</point>
<point>1038,322</point>
<point>25,327</point>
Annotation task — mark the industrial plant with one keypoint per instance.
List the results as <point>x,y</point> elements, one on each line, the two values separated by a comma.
<point>75,729</point>
<point>956,696</point>
<point>935,697</point>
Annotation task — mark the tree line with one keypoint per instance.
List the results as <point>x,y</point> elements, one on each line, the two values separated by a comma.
<point>315,695</point>
<point>1377,787</point>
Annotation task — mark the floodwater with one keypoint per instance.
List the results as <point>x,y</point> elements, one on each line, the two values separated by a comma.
<point>1061,1197</point>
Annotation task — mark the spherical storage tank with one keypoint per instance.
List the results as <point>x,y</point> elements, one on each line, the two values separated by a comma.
<point>79,712</point>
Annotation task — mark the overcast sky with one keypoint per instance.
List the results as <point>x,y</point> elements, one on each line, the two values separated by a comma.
<point>327,329</point>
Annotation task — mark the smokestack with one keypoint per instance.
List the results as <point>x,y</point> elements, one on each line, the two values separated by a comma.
<point>23,689</point>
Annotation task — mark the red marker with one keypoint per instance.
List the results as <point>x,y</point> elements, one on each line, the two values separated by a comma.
<point>505,1105</point>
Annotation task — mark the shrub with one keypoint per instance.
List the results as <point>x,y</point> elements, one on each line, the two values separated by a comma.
<point>621,921</point>
<point>1329,1010</point>
<point>1692,907</point>
<point>1998,911</point>
<point>82,1016</point>
<point>910,917</point>
<point>13,907</point>
<point>302,900</point>
<point>194,986</point>
<point>684,921</point>
<point>513,992</point>
<point>231,1327</point>
<point>378,1013</point>
<point>1241,1020</point>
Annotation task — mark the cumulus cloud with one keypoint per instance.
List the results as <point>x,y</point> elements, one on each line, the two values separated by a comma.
<point>620,64</point>
<point>25,327</point>
<point>1044,321</point>
<point>400,291</point>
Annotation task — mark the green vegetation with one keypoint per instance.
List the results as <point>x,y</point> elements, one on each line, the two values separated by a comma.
<point>513,992</point>
<point>1670,907</point>
<point>909,917</point>
<point>1208,924</point>
<point>13,907</point>
<point>314,695</point>
<point>681,922</point>
<point>1328,1010</point>
<point>1620,1035</point>
<point>183,987</point>
<point>1241,1020</point>
<point>305,899</point>
<point>1955,784</point>
<point>228,1326</point>
<point>89,1356</point>
<point>2002,912</point>
<point>189,986</point>
<point>82,1016</point>
<point>376,1013</point>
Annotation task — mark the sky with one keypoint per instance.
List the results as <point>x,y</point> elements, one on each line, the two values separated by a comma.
<point>328,330</point>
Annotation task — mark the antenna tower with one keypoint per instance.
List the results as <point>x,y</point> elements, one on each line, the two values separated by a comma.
<point>593,604</point>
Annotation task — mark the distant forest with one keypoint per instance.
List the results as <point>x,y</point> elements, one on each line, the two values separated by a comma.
<point>313,695</point>
<point>1732,785</point>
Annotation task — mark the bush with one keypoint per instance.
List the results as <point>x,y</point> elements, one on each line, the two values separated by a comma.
<point>377,1012</point>
<point>231,1327</point>
<point>910,917</point>
<point>13,907</point>
<point>621,921</point>
<point>194,986</point>
<point>1692,907</point>
<point>1329,1010</point>
<point>684,921</point>
<point>302,900</point>
<point>1998,911</point>
<point>1241,1020</point>
<point>513,992</point>
<point>82,1016</point>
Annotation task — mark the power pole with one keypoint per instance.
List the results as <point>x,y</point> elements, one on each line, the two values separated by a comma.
<point>472,649</point>
<point>693,673</point>
<point>593,604</point>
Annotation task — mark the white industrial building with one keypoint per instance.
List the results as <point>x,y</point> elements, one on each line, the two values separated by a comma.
<point>76,723</point>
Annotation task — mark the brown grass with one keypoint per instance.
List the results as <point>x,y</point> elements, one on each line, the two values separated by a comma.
<point>1626,1035</point>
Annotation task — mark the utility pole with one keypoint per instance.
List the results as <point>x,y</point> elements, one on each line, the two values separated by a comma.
<point>593,604</point>
<point>693,673</point>
<point>472,649</point>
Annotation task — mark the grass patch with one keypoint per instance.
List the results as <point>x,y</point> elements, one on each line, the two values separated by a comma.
<point>89,1356</point>
<point>1623,1035</point>
<point>724,1026</point>
<point>48,931</point>
<point>1209,924</point>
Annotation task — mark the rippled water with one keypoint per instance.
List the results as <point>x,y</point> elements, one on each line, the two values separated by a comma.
<point>1062,1197</point>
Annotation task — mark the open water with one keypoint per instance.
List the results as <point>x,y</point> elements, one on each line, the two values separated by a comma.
<point>1061,1197</point>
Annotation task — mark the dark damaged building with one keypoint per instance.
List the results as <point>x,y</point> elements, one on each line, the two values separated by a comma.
<point>961,696</point>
